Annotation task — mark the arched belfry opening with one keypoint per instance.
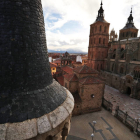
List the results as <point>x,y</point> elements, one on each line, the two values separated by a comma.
<point>128,91</point>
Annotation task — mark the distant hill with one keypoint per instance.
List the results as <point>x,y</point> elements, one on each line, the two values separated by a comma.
<point>69,51</point>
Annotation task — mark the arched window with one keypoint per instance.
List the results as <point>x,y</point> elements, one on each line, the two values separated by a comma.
<point>127,34</point>
<point>136,72</point>
<point>112,66</point>
<point>99,40</point>
<point>114,54</point>
<point>123,34</point>
<point>105,29</point>
<point>100,28</point>
<point>131,34</point>
<point>121,70</point>
<point>122,56</point>
<point>95,28</point>
<point>104,41</point>
<point>91,41</point>
<point>94,40</point>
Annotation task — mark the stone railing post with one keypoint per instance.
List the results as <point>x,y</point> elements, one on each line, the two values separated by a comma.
<point>136,126</point>
<point>125,117</point>
<point>116,110</point>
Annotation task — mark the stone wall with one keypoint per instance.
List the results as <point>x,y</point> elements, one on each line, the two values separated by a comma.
<point>73,87</point>
<point>91,96</point>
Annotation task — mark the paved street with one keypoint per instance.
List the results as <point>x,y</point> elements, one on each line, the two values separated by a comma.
<point>132,106</point>
<point>106,128</point>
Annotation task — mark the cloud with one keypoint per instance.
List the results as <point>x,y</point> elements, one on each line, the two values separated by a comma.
<point>67,22</point>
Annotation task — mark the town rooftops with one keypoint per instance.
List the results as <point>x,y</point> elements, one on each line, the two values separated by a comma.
<point>85,70</point>
<point>57,61</point>
<point>60,79</point>
<point>90,80</point>
<point>67,69</point>
<point>53,65</point>
<point>71,77</point>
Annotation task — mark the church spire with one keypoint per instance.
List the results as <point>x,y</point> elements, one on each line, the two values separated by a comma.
<point>130,18</point>
<point>101,11</point>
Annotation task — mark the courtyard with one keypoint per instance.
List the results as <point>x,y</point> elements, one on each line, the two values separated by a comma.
<point>107,127</point>
<point>125,103</point>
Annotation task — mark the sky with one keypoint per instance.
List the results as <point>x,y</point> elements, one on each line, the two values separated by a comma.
<point>67,22</point>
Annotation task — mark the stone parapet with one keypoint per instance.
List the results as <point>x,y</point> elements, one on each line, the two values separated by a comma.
<point>36,127</point>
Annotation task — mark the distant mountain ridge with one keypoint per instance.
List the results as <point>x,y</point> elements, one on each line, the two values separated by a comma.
<point>69,51</point>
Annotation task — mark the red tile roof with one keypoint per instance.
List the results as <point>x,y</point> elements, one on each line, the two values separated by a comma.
<point>71,77</point>
<point>85,69</point>
<point>60,80</point>
<point>77,63</point>
<point>90,80</point>
<point>53,65</point>
<point>57,62</point>
<point>67,69</point>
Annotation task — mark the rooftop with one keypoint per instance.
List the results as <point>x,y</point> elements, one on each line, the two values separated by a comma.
<point>90,80</point>
<point>67,69</point>
<point>53,65</point>
<point>60,79</point>
<point>71,77</point>
<point>85,70</point>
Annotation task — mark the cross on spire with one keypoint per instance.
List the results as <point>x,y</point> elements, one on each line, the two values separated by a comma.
<point>131,11</point>
<point>101,3</point>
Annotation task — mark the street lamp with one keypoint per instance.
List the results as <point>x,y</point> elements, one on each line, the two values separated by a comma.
<point>94,122</point>
<point>92,135</point>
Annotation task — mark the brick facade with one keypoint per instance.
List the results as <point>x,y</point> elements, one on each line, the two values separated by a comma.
<point>98,42</point>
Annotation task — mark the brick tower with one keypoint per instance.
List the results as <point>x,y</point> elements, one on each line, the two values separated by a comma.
<point>98,41</point>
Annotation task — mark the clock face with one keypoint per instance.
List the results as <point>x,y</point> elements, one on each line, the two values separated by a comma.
<point>133,46</point>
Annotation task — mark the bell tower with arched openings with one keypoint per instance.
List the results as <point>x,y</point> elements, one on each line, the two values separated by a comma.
<point>98,41</point>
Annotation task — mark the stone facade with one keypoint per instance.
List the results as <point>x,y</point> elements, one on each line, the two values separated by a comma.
<point>87,88</point>
<point>122,66</point>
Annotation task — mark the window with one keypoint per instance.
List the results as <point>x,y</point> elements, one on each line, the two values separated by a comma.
<point>121,70</point>
<point>91,41</point>
<point>100,28</point>
<point>53,68</point>
<point>94,40</point>
<point>104,41</point>
<point>99,40</point>
<point>105,29</point>
<point>136,72</point>
<point>95,28</point>
<point>112,66</point>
